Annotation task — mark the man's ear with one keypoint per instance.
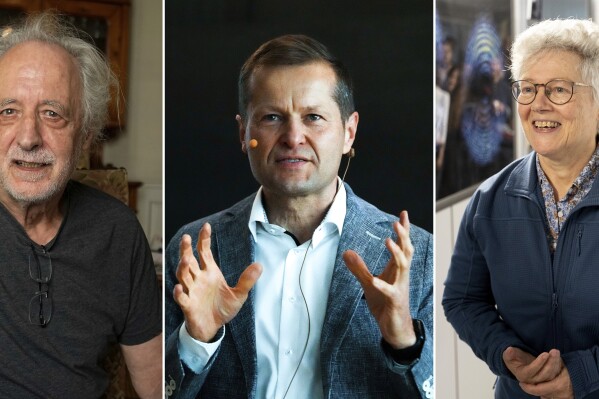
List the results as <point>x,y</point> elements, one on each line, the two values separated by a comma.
<point>241,127</point>
<point>351,128</point>
<point>88,139</point>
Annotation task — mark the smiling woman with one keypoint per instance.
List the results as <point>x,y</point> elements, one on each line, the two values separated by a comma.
<point>521,289</point>
<point>560,121</point>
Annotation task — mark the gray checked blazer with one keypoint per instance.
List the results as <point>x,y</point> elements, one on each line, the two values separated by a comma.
<point>354,364</point>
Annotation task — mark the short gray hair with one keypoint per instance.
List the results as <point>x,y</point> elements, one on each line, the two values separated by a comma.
<point>96,76</point>
<point>575,35</point>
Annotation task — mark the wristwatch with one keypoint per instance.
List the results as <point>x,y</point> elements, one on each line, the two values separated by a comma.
<point>411,353</point>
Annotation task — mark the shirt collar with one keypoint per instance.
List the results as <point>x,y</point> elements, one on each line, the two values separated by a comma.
<point>584,181</point>
<point>333,220</point>
<point>588,173</point>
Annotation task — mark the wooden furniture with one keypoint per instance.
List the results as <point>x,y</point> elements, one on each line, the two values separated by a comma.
<point>111,181</point>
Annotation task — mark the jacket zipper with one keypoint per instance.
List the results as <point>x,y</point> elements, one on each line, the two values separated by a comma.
<point>554,296</point>
<point>579,240</point>
<point>554,299</point>
<point>554,317</point>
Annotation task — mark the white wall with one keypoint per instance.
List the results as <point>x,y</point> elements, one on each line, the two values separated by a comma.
<point>139,147</point>
<point>458,373</point>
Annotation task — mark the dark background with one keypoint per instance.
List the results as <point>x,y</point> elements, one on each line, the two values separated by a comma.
<point>388,49</point>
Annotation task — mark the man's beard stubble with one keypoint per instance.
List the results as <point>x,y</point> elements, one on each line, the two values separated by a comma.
<point>55,187</point>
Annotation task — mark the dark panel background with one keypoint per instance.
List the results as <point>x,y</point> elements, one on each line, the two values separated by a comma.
<point>387,46</point>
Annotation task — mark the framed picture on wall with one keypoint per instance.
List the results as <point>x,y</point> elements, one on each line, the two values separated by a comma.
<point>473,91</point>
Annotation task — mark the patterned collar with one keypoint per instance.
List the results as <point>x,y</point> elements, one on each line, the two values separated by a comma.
<point>558,211</point>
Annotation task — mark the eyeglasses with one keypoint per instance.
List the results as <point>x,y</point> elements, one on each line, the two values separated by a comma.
<point>558,91</point>
<point>40,271</point>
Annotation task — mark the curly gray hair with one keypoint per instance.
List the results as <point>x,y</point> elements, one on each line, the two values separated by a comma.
<point>96,76</point>
<point>578,36</point>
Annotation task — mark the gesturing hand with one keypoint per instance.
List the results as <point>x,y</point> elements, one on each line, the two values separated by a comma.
<point>388,295</point>
<point>204,296</point>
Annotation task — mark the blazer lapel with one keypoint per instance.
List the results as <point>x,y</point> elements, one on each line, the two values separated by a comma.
<point>363,233</point>
<point>235,253</point>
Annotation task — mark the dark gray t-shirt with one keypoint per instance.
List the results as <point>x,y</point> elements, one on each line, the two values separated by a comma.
<point>103,290</point>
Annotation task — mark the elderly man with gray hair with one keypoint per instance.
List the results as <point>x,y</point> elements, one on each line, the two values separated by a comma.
<point>76,272</point>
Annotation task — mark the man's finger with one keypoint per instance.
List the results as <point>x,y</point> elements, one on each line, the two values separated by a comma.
<point>402,229</point>
<point>400,260</point>
<point>404,219</point>
<point>392,271</point>
<point>185,275</point>
<point>384,287</point>
<point>357,267</point>
<point>248,278</point>
<point>203,247</point>
<point>187,260</point>
<point>180,296</point>
<point>185,245</point>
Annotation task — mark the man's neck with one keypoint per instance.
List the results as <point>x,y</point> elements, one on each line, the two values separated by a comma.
<point>40,221</point>
<point>299,215</point>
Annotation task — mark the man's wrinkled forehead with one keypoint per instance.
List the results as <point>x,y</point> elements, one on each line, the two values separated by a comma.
<point>262,72</point>
<point>46,67</point>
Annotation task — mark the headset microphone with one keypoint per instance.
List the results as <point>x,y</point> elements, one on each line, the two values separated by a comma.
<point>350,155</point>
<point>253,143</point>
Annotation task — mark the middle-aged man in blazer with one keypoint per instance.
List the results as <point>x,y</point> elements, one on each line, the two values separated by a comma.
<point>305,236</point>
